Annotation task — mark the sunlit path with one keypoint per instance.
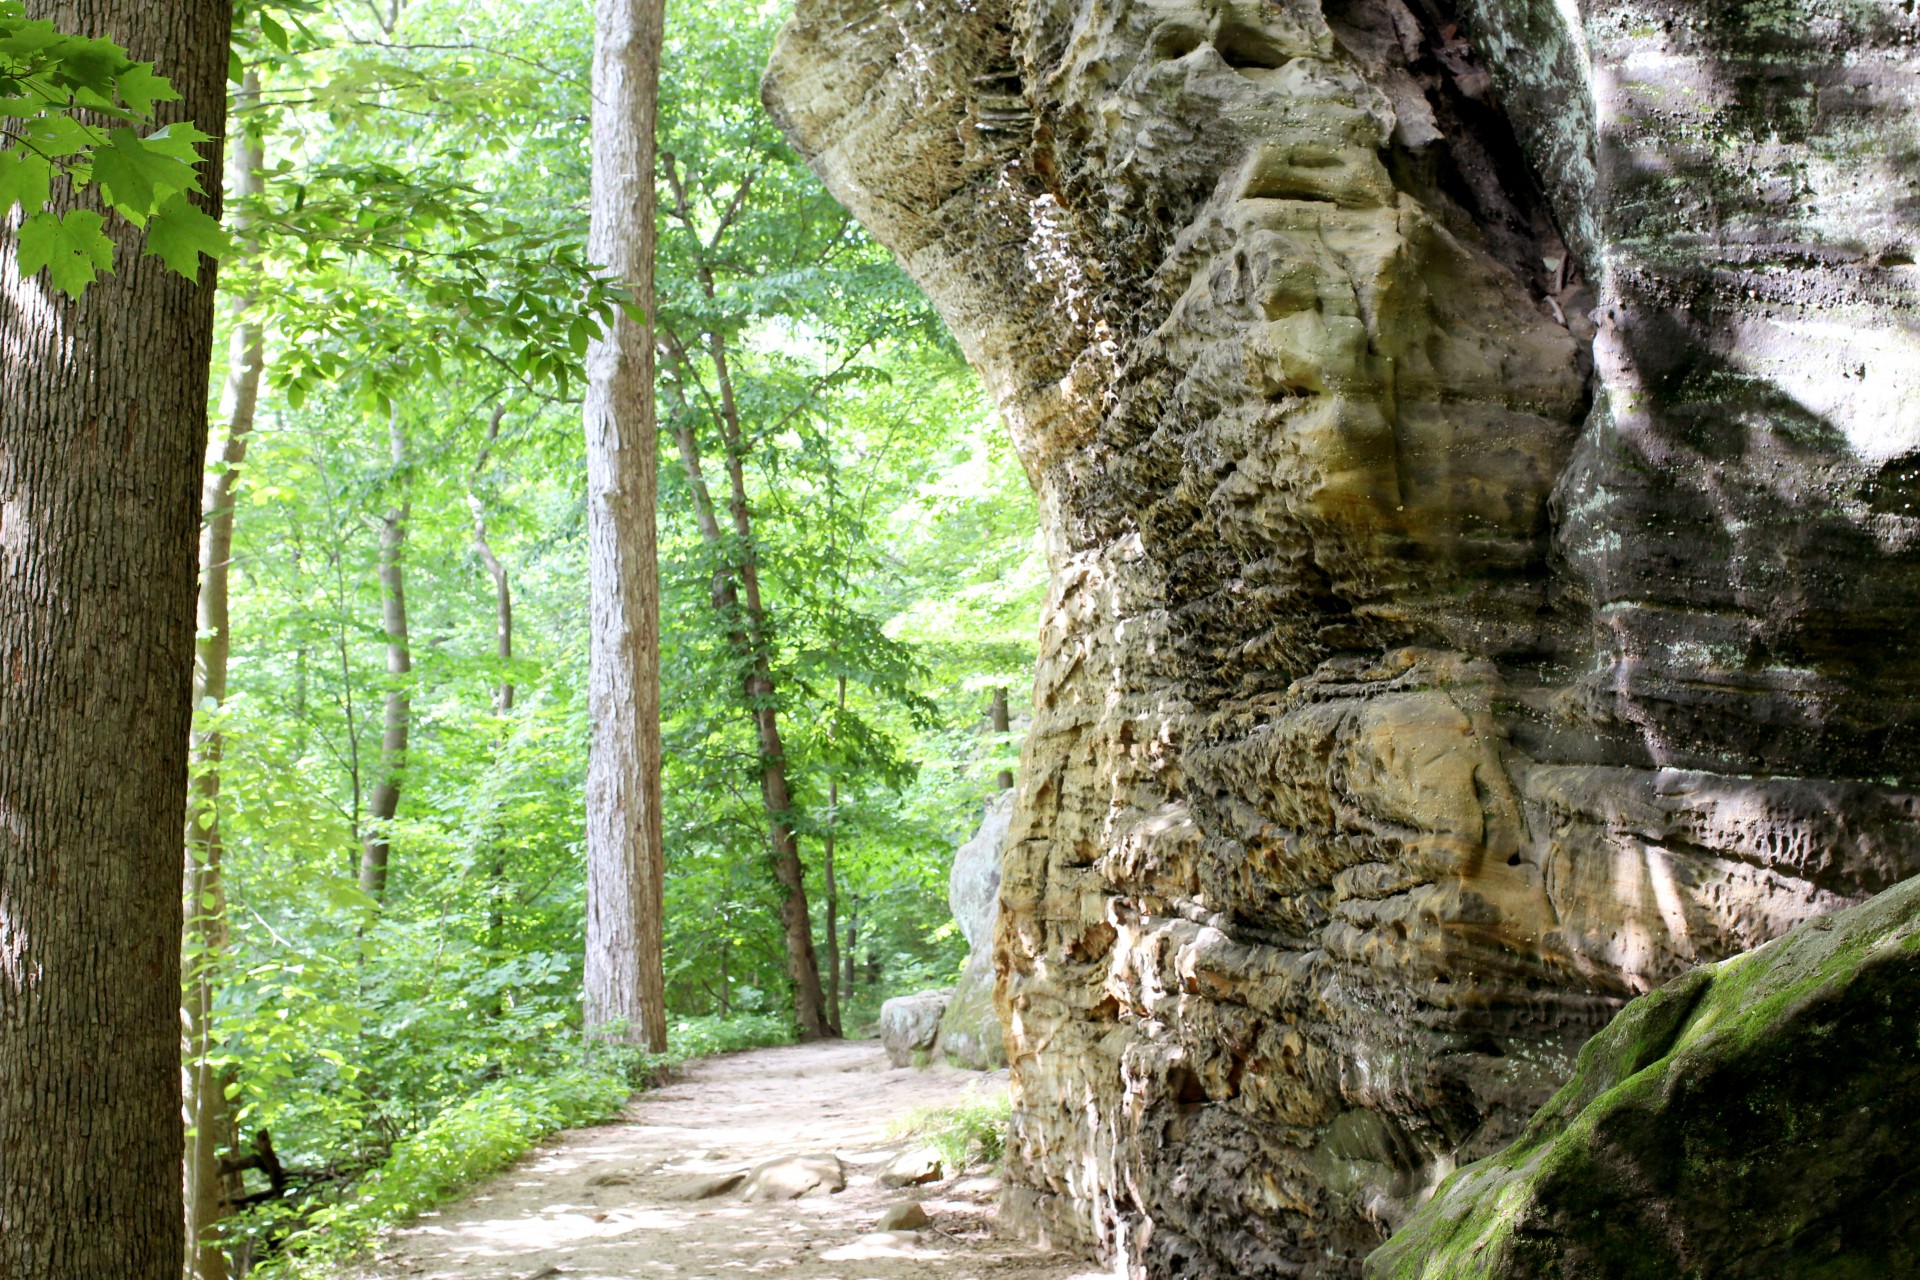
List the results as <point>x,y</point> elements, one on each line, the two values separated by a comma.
<point>625,1201</point>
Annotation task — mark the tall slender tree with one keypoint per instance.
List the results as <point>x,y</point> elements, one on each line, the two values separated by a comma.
<point>209,1191</point>
<point>103,432</point>
<point>625,978</point>
<point>737,596</point>
<point>397,719</point>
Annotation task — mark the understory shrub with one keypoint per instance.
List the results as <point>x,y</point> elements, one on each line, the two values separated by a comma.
<point>970,1131</point>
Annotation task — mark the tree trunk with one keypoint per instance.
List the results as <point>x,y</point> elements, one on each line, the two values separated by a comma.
<point>377,851</point>
<point>502,590</point>
<point>103,435</point>
<point>833,889</point>
<point>746,633</point>
<point>210,1193</point>
<point>1002,724</point>
<point>748,624</point>
<point>625,976</point>
<point>503,649</point>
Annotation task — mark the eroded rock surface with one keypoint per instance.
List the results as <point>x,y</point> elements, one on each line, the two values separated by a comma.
<point>1747,1121</point>
<point>1428,668</point>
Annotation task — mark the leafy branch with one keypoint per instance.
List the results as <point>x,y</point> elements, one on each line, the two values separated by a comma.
<point>73,107</point>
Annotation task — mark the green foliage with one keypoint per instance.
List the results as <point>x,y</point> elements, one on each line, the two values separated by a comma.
<point>972,1131</point>
<point>57,86</point>
<point>702,1037</point>
<point>476,1136</point>
<point>414,262</point>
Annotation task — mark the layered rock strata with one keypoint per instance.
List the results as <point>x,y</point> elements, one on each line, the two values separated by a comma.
<point>1475,451</point>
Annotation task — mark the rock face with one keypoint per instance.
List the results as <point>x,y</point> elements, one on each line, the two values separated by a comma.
<point>909,1025</point>
<point>971,1034</point>
<point>1748,1121</point>
<point>1478,456</point>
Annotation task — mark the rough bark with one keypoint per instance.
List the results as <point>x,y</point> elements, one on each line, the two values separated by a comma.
<point>625,975</point>
<point>209,1191</point>
<point>1441,648</point>
<point>397,710</point>
<point>103,433</point>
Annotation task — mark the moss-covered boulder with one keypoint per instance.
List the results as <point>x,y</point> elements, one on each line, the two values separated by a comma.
<point>1752,1119</point>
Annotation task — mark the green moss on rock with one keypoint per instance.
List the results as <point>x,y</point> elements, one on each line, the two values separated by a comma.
<point>1749,1120</point>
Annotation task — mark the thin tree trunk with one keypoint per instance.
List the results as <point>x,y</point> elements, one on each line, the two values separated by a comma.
<point>1002,724</point>
<point>833,889</point>
<point>853,944</point>
<point>746,634</point>
<point>502,590</point>
<point>503,647</point>
<point>209,1192</point>
<point>376,853</point>
<point>103,437</point>
<point>752,632</point>
<point>625,974</point>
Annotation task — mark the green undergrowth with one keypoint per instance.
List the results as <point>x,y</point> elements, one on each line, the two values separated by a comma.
<point>313,1238</point>
<point>970,1131</point>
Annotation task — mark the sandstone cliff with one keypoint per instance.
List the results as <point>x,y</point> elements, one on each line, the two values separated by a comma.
<point>1477,455</point>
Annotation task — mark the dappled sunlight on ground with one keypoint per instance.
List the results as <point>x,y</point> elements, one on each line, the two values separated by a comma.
<point>639,1199</point>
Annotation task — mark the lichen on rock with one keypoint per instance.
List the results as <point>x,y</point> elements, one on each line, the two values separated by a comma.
<point>1482,573</point>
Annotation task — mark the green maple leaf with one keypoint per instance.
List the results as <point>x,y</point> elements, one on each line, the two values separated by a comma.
<point>25,180</point>
<point>137,178</point>
<point>73,249</point>
<point>140,88</point>
<point>90,66</point>
<point>180,232</point>
<point>180,140</point>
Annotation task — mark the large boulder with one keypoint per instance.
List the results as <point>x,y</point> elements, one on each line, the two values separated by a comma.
<point>1749,1121</point>
<point>909,1026</point>
<point>1479,460</point>
<point>971,1033</point>
<point>973,885</point>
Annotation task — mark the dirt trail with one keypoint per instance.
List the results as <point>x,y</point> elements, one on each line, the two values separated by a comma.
<point>611,1203</point>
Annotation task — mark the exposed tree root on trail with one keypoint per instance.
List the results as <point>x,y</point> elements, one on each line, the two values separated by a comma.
<point>640,1199</point>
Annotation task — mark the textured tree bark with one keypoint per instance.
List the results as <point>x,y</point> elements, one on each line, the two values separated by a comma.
<point>103,431</point>
<point>625,977</point>
<point>209,1192</point>
<point>398,712</point>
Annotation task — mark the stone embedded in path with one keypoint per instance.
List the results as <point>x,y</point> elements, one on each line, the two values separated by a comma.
<point>912,1168</point>
<point>794,1177</point>
<point>910,1024</point>
<point>708,1187</point>
<point>906,1216</point>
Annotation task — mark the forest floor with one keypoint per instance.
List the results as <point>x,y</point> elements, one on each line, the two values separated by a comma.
<point>638,1199</point>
